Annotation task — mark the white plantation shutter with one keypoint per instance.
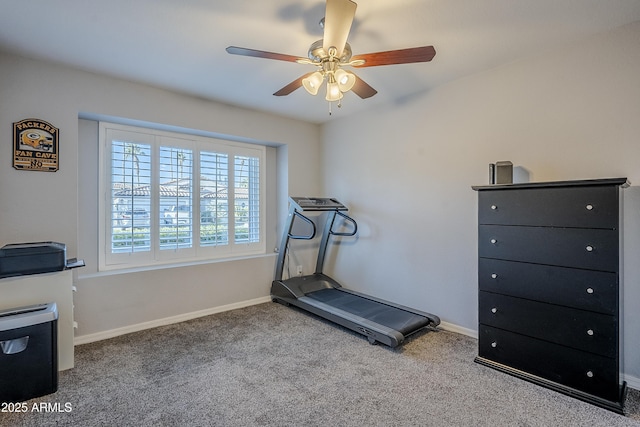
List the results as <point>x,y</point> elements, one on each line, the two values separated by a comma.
<point>178,197</point>
<point>214,198</point>
<point>247,199</point>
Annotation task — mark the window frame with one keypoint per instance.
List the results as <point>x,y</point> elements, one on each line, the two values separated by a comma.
<point>198,144</point>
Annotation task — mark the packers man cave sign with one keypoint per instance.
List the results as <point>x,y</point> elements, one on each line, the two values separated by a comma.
<point>35,145</point>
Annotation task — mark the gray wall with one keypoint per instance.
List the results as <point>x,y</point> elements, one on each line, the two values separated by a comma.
<point>406,171</point>
<point>62,206</point>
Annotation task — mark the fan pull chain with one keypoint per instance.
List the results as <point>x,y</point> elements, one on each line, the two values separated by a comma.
<point>339,105</point>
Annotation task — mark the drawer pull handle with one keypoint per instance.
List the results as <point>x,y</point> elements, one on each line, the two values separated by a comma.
<point>494,344</point>
<point>589,290</point>
<point>494,241</point>
<point>590,332</point>
<point>589,207</point>
<point>590,374</point>
<point>494,207</point>
<point>494,276</point>
<point>494,310</point>
<point>589,248</point>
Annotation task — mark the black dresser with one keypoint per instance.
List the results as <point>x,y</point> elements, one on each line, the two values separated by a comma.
<point>548,277</point>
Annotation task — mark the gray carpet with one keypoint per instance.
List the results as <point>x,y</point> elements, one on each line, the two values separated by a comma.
<point>272,365</point>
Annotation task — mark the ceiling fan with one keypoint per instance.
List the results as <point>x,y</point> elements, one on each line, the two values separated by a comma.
<point>332,53</point>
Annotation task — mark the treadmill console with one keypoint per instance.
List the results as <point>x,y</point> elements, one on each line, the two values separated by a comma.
<point>317,204</point>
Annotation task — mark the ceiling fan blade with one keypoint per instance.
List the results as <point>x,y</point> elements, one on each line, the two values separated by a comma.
<point>292,86</point>
<point>234,50</point>
<point>338,18</point>
<point>400,56</point>
<point>362,89</point>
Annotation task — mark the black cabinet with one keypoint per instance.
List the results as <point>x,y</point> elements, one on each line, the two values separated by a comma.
<point>548,278</point>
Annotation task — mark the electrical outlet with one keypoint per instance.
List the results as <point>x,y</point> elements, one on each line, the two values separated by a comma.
<point>299,270</point>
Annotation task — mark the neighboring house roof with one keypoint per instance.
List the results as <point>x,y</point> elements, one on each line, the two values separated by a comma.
<point>207,192</point>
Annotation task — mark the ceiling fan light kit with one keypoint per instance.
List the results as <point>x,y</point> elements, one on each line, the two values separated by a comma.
<point>345,79</point>
<point>313,82</point>
<point>333,52</point>
<point>339,81</point>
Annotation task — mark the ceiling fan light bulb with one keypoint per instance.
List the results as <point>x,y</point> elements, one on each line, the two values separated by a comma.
<point>313,82</point>
<point>333,92</point>
<point>345,80</point>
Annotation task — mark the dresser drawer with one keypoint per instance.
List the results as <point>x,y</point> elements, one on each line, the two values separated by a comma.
<point>592,249</point>
<point>570,287</point>
<point>587,207</point>
<point>580,370</point>
<point>584,330</point>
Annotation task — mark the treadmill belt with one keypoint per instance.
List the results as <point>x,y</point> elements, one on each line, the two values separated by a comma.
<point>383,314</point>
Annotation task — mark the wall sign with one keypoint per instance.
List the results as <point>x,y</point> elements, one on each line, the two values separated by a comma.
<point>35,145</point>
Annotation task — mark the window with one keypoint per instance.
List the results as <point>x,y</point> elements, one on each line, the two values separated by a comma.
<point>172,197</point>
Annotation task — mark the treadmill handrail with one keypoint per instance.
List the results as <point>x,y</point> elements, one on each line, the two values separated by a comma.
<point>308,221</point>
<point>286,235</point>
<point>347,234</point>
<point>327,233</point>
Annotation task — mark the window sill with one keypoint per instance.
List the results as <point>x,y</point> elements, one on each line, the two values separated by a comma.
<point>119,271</point>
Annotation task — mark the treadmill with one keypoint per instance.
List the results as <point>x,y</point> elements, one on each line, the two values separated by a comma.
<point>379,320</point>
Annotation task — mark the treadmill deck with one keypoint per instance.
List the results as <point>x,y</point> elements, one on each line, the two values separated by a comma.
<point>374,311</point>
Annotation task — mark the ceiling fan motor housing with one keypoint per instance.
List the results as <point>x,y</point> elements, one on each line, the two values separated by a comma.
<point>318,54</point>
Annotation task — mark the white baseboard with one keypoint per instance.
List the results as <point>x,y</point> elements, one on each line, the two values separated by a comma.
<point>99,336</point>
<point>459,329</point>
<point>632,382</point>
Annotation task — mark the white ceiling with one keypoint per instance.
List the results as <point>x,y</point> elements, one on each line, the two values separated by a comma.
<point>180,44</point>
